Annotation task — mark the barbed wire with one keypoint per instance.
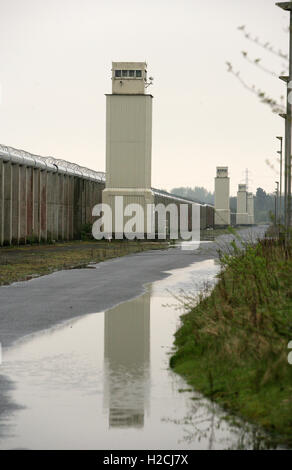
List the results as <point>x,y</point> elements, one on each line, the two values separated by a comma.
<point>30,159</point>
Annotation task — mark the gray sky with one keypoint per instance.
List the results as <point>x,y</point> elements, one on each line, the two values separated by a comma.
<point>56,66</point>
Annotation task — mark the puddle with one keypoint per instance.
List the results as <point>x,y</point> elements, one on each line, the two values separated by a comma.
<point>102,381</point>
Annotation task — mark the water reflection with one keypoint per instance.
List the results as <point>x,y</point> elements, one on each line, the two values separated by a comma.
<point>126,354</point>
<point>102,381</point>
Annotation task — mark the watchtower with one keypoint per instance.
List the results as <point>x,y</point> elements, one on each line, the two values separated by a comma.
<point>222,189</point>
<point>129,140</point>
<point>242,210</point>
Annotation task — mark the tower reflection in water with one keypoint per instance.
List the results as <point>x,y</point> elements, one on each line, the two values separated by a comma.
<point>126,357</point>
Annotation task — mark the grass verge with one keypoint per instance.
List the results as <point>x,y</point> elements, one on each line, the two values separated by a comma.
<point>232,345</point>
<point>212,234</point>
<point>25,262</point>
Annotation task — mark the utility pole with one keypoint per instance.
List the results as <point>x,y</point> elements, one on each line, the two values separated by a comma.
<point>280,152</point>
<point>287,6</point>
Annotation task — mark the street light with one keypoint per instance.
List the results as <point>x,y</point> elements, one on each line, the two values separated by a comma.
<point>277,203</point>
<point>287,158</point>
<point>287,6</point>
<point>280,152</point>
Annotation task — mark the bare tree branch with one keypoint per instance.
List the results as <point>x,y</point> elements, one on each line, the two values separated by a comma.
<point>264,45</point>
<point>262,96</point>
<point>257,62</point>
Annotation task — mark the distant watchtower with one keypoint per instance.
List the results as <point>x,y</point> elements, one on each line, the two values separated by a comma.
<point>128,137</point>
<point>222,210</point>
<point>242,209</point>
<point>250,208</point>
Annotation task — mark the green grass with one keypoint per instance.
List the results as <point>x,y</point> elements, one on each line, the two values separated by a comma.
<point>25,262</point>
<point>232,344</point>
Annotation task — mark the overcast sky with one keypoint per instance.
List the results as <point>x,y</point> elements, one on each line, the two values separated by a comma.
<point>56,66</point>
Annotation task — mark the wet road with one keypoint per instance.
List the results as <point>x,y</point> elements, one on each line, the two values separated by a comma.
<point>30,306</point>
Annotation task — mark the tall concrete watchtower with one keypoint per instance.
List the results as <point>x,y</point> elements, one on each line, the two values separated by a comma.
<point>128,139</point>
<point>222,209</point>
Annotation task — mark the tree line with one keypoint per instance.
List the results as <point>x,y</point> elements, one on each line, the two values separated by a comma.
<point>264,203</point>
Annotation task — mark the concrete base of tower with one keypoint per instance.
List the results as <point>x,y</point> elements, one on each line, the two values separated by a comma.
<point>222,217</point>
<point>242,219</point>
<point>131,211</point>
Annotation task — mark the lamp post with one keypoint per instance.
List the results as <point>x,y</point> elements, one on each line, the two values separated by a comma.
<point>284,116</point>
<point>280,152</point>
<point>287,6</point>
<point>277,204</point>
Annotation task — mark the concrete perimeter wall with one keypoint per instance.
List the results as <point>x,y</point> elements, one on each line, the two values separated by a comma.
<point>41,205</point>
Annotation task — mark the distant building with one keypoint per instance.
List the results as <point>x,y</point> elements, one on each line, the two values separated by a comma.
<point>222,190</point>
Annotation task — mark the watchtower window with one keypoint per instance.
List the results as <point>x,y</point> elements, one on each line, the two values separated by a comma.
<point>128,73</point>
